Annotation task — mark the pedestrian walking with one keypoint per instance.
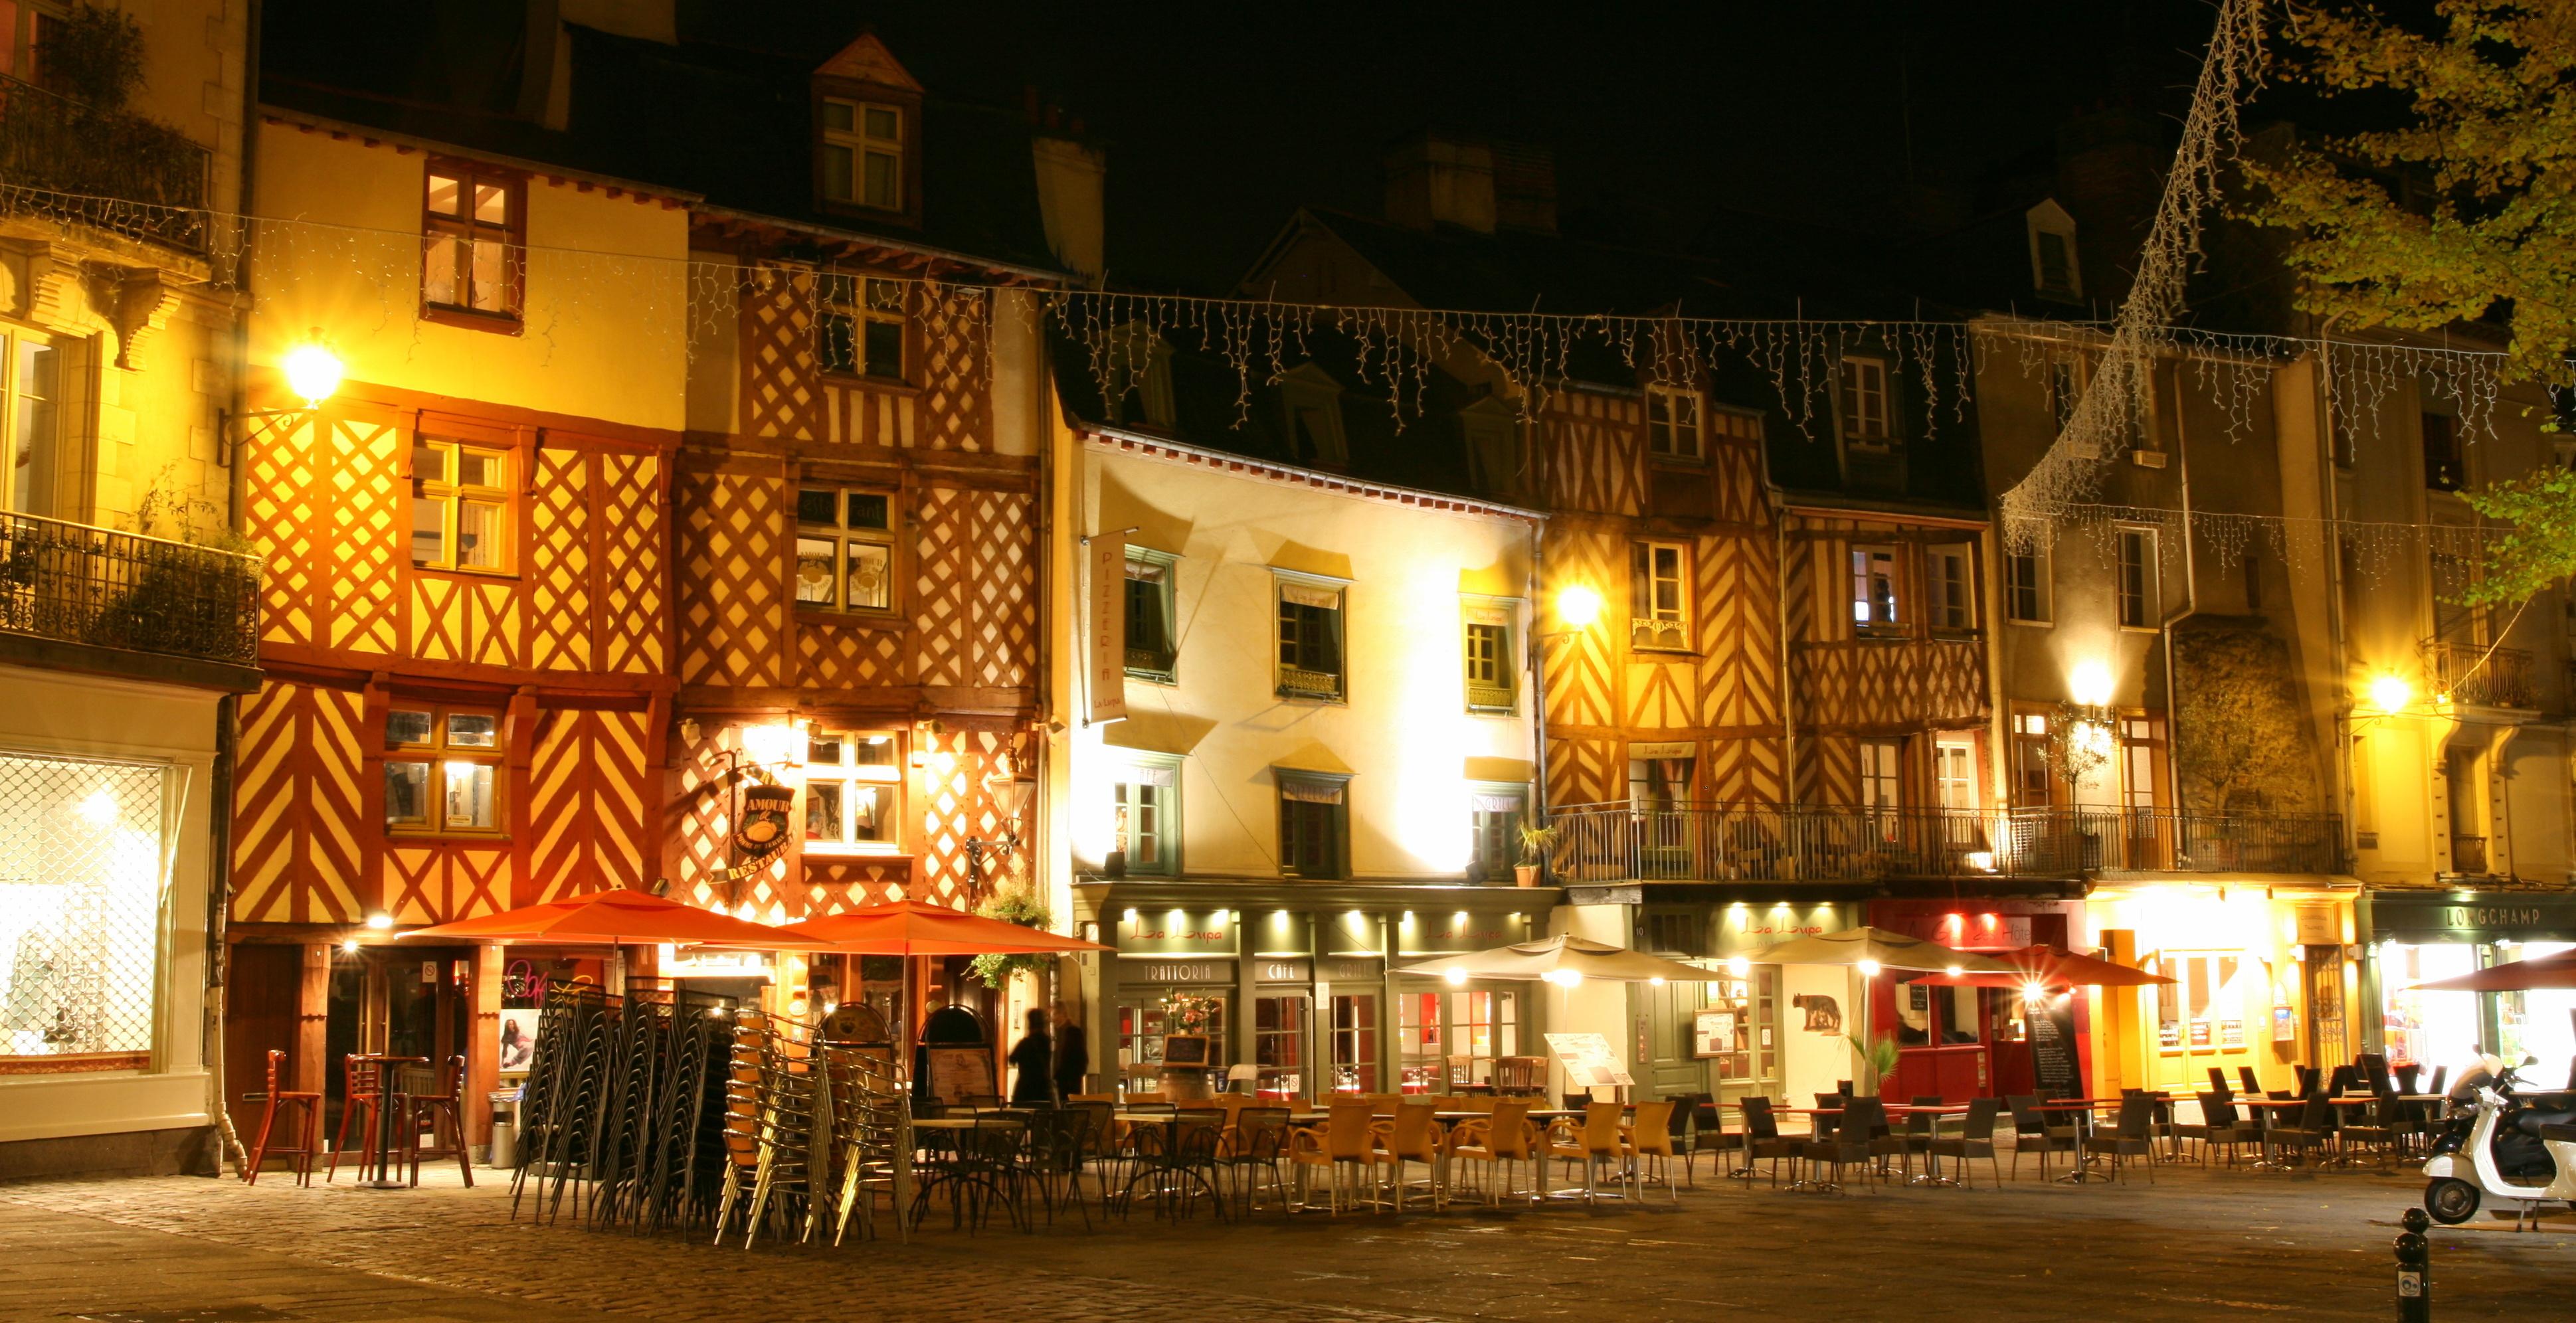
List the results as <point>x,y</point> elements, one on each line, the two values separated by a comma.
<point>1034,1058</point>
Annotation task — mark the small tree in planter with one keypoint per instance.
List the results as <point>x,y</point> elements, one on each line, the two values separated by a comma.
<point>1536,843</point>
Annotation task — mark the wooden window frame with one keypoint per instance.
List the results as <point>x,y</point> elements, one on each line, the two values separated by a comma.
<point>1943,781</point>
<point>511,233</point>
<point>1130,788</point>
<point>1652,626</point>
<point>1859,575</point>
<point>1480,816</point>
<point>842,536</point>
<point>1336,817</point>
<point>1160,570</point>
<point>1864,391</point>
<point>2140,605</point>
<point>2026,727</point>
<point>1950,618</point>
<point>436,755</point>
<point>844,774</point>
<point>1672,400</point>
<point>861,302</point>
<point>1494,691</point>
<point>44,497</point>
<point>861,144</point>
<point>1287,637</point>
<point>454,495</point>
<point>2042,610</point>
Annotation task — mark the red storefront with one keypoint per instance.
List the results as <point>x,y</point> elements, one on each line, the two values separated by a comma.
<point>1964,1043</point>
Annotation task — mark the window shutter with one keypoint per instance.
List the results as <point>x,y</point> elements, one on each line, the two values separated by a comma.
<point>1306,594</point>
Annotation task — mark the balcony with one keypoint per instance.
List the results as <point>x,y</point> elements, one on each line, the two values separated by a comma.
<point>2505,680</point>
<point>103,160</point>
<point>66,583</point>
<point>1764,842</point>
<point>2469,855</point>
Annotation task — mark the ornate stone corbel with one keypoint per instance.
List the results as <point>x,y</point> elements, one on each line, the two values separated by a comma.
<point>140,307</point>
<point>46,298</point>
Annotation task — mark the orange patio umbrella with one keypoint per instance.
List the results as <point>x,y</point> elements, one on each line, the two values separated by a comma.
<point>2047,967</point>
<point>917,928</point>
<point>614,919</point>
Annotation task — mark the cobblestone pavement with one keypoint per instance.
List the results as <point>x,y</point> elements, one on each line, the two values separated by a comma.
<point>2193,1245</point>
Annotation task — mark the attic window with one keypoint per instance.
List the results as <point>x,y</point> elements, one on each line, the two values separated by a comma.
<point>1314,423</point>
<point>863,153</point>
<point>2053,267</point>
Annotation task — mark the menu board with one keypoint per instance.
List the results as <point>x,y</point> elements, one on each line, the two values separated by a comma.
<point>2052,1048</point>
<point>958,1073</point>
<point>1587,1059</point>
<point>1712,1033</point>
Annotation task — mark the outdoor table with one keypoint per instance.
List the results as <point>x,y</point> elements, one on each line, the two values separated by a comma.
<point>2083,1108</point>
<point>2262,1110</point>
<point>1163,1163</point>
<point>385,1067</point>
<point>1931,1160</point>
<point>948,1127</point>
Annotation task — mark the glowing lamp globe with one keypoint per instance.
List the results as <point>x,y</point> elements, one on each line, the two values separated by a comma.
<point>2090,684</point>
<point>312,372</point>
<point>1578,606</point>
<point>2390,694</point>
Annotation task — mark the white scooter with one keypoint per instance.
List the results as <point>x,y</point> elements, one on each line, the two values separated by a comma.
<point>2498,1148</point>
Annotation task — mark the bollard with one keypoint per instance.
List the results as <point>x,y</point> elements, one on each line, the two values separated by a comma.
<point>2414,1269</point>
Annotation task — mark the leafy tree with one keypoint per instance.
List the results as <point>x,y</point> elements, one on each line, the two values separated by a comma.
<point>2537,547</point>
<point>2490,88</point>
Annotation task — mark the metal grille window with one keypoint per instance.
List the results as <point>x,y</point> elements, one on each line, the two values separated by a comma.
<point>1310,640</point>
<point>460,506</point>
<point>82,850</point>
<point>442,770</point>
<point>473,238</point>
<point>844,549</point>
<point>860,331</point>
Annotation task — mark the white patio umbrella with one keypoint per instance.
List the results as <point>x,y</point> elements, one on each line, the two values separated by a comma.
<point>1871,950</point>
<point>1565,961</point>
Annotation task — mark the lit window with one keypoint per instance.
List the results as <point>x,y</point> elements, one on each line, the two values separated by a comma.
<point>863,153</point>
<point>1487,648</point>
<point>1659,776</point>
<point>32,427</point>
<point>443,770</point>
<point>1954,775</point>
<point>2031,787</point>
<point>2138,601</point>
<point>1659,596</point>
<point>82,846</point>
<point>473,243</point>
<point>844,549</point>
<point>1672,423</point>
<point>853,791</point>
<point>1145,817</point>
<point>1874,598</point>
<point>860,331</point>
<point>1864,391</point>
<point>1310,639</point>
<point>1494,817</point>
<point>1882,783</point>
<point>460,506</point>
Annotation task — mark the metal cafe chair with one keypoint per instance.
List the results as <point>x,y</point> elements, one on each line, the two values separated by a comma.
<point>2132,1137</point>
<point>309,1137</point>
<point>2033,1133</point>
<point>1253,1154</point>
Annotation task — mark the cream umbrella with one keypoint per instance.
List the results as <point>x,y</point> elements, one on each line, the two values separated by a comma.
<point>1870,950</point>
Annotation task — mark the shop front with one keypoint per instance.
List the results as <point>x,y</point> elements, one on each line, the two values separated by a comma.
<point>1752,1029</point>
<point>1966,1042</point>
<point>1290,993</point>
<point>2262,981</point>
<point>2415,937</point>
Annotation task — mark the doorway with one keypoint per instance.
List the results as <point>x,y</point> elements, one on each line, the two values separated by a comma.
<point>261,992</point>
<point>407,1001</point>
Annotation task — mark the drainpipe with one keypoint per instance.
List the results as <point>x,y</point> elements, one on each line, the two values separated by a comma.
<point>1538,668</point>
<point>2191,602</point>
<point>1780,640</point>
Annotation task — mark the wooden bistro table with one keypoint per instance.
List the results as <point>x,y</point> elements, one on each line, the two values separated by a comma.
<point>386,1065</point>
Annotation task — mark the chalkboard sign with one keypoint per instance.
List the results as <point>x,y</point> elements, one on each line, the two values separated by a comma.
<point>2052,1048</point>
<point>959,1073</point>
<point>1185,1050</point>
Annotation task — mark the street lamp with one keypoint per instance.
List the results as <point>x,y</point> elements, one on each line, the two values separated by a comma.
<point>1010,794</point>
<point>2390,693</point>
<point>312,374</point>
<point>1577,606</point>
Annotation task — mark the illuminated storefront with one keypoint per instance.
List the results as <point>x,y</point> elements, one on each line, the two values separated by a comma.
<point>2262,981</point>
<point>1737,1034</point>
<point>2415,937</point>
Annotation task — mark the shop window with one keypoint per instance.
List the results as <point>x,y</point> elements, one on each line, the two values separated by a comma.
<point>859,329</point>
<point>31,414</point>
<point>1354,1043</point>
<point>2140,605</point>
<point>1874,597</point>
<point>473,246</point>
<point>1143,1028</point>
<point>1659,597</point>
<point>844,549</point>
<point>862,154</point>
<point>1145,817</point>
<point>1446,1041</point>
<point>1864,402</point>
<point>443,770</point>
<point>1279,1047</point>
<point>1932,1016</point>
<point>1153,640</point>
<point>1673,423</point>
<point>82,848</point>
<point>1487,652</point>
<point>2203,1009</point>
<point>1310,639</point>
<point>1950,575</point>
<point>853,792</point>
<point>461,506</point>
<point>1741,1024</point>
<point>1494,818</point>
<point>1313,825</point>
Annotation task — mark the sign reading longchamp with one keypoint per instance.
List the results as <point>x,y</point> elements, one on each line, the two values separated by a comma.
<point>1108,689</point>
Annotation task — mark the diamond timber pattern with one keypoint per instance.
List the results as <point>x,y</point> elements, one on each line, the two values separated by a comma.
<point>733,608</point>
<point>942,587</point>
<point>559,562</point>
<point>846,656</point>
<point>297,852</point>
<point>780,395</point>
<point>282,516</point>
<point>954,328</point>
<point>631,529</point>
<point>359,591</point>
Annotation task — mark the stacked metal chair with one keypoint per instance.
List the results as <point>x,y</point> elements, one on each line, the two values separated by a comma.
<point>870,1112</point>
<point>559,1115</point>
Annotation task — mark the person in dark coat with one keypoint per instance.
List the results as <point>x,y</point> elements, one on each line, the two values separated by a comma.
<point>1034,1058</point>
<point>1072,1052</point>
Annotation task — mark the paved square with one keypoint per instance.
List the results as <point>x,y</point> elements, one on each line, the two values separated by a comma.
<point>2194,1245</point>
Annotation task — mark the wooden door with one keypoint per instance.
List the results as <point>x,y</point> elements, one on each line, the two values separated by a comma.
<point>261,992</point>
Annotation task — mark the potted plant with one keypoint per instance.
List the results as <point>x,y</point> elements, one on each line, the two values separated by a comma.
<point>1536,841</point>
<point>1878,1055</point>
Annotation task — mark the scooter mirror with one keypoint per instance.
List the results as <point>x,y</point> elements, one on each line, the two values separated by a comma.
<point>2530,1060</point>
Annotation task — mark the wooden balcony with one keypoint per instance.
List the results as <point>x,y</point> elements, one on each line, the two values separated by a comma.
<point>1766,842</point>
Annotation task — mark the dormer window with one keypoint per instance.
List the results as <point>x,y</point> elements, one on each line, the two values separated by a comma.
<point>1864,401</point>
<point>863,153</point>
<point>2053,268</point>
<point>1313,401</point>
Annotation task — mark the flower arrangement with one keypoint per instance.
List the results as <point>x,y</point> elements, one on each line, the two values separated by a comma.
<point>1188,1012</point>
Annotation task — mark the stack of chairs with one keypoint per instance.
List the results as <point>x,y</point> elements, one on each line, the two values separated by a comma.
<point>566,1087</point>
<point>870,1107</point>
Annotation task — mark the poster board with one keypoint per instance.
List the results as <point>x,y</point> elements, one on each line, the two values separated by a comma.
<point>517,1038</point>
<point>1588,1060</point>
<point>2053,1064</point>
<point>1712,1033</point>
<point>957,1073</point>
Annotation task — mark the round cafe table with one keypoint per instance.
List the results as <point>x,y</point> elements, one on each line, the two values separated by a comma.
<point>385,1064</point>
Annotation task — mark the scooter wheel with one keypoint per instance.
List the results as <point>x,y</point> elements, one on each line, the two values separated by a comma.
<point>2451,1200</point>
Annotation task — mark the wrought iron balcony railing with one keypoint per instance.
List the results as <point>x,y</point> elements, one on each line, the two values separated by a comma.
<point>2470,673</point>
<point>76,584</point>
<point>92,163</point>
<point>2469,855</point>
<point>1765,842</point>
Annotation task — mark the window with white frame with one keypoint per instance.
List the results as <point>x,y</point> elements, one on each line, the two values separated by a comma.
<point>863,153</point>
<point>83,849</point>
<point>2026,583</point>
<point>1672,423</point>
<point>1882,783</point>
<point>460,506</point>
<point>1494,816</point>
<point>854,791</point>
<point>1949,573</point>
<point>1659,776</point>
<point>31,415</point>
<point>2139,605</point>
<point>443,770</point>
<point>858,330</point>
<point>1145,823</point>
<point>1310,638</point>
<point>844,549</point>
<point>1954,775</point>
<point>1659,596</point>
<point>1864,399</point>
<point>1486,649</point>
<point>1875,600</point>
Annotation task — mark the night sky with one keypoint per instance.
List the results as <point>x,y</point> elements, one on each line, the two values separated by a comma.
<point>1221,118</point>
